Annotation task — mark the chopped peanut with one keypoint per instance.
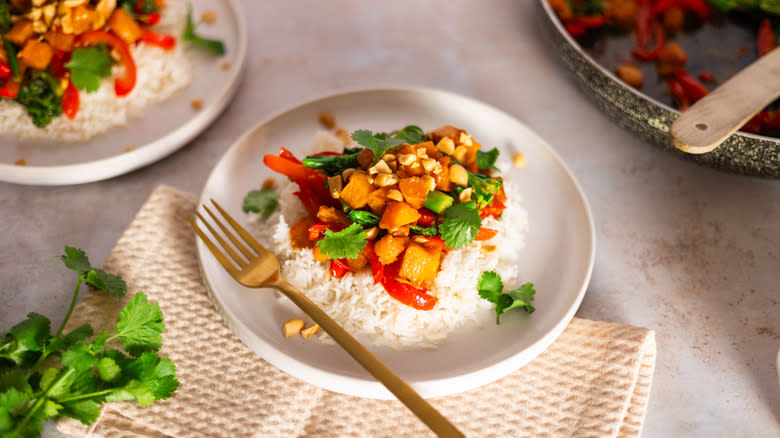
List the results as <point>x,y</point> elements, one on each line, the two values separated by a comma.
<point>292,327</point>
<point>268,183</point>
<point>327,120</point>
<point>20,162</point>
<point>196,104</point>
<point>465,139</point>
<point>209,16</point>
<point>380,167</point>
<point>342,135</point>
<point>446,146</point>
<point>226,66</point>
<point>309,331</point>
<point>385,179</point>
<point>407,159</point>
<point>519,160</point>
<point>395,195</point>
<point>488,249</point>
<point>458,175</point>
<point>465,195</point>
<point>460,153</point>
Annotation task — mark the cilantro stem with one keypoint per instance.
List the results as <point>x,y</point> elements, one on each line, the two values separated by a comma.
<point>41,400</point>
<point>70,310</point>
<point>85,396</point>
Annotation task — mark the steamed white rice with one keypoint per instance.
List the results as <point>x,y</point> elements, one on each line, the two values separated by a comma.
<point>160,73</point>
<point>367,310</point>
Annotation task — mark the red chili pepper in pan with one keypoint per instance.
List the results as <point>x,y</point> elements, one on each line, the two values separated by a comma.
<point>641,53</point>
<point>753,125</point>
<point>589,22</point>
<point>766,38</point>
<point>575,30</point>
<point>693,88</point>
<point>698,7</point>
<point>706,76</point>
<point>679,93</point>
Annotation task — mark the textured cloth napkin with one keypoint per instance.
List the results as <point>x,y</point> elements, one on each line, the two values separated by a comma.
<point>593,381</point>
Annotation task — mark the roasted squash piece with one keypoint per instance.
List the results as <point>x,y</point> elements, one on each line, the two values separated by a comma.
<point>299,233</point>
<point>420,264</point>
<point>414,190</point>
<point>60,41</point>
<point>83,18</point>
<point>357,190</point>
<point>20,33</point>
<point>36,54</point>
<point>125,26</point>
<point>389,248</point>
<point>443,182</point>
<point>357,263</point>
<point>319,255</point>
<point>331,215</point>
<point>377,200</point>
<point>445,131</point>
<point>398,214</point>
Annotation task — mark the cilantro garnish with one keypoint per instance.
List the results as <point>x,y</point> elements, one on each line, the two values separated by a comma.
<point>460,225</point>
<point>216,47</point>
<point>89,373</point>
<point>263,201</point>
<point>487,160</point>
<point>491,288</point>
<point>88,65</point>
<point>377,143</point>
<point>344,244</point>
<point>411,134</point>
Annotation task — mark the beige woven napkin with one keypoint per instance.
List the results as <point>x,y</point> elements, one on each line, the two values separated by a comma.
<point>593,381</point>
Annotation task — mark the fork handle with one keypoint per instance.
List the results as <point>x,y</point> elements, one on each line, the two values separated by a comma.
<point>408,396</point>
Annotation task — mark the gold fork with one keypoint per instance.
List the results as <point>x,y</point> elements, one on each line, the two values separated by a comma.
<point>259,268</point>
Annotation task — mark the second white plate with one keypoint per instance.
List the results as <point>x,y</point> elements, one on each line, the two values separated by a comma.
<point>558,256</point>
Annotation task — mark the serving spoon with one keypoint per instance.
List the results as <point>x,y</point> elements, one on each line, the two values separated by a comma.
<point>713,118</point>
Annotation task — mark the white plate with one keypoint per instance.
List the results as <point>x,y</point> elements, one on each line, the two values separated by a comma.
<point>558,257</point>
<point>162,129</point>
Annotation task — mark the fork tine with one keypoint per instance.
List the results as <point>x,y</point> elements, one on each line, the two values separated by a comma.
<point>244,233</point>
<point>241,262</point>
<point>244,250</point>
<point>223,260</point>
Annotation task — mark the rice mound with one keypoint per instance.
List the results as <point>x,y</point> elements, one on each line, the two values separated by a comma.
<point>160,73</point>
<point>366,310</point>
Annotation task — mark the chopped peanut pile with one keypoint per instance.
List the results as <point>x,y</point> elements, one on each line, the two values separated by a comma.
<point>292,327</point>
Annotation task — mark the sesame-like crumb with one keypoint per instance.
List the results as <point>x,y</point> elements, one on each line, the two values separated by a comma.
<point>328,120</point>
<point>129,148</point>
<point>196,104</point>
<point>209,17</point>
<point>225,66</point>
<point>21,162</point>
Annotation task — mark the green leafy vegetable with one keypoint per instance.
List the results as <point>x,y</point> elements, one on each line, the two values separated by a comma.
<point>41,96</point>
<point>344,244</point>
<point>377,143</point>
<point>491,288</point>
<point>460,225</point>
<point>148,7</point>
<point>411,134</point>
<point>5,16</point>
<point>770,6</point>
<point>487,160</point>
<point>424,231</point>
<point>88,65</point>
<point>215,47</point>
<point>264,201</point>
<point>484,188</point>
<point>332,164</point>
<point>364,218</point>
<point>89,374</point>
<point>350,151</point>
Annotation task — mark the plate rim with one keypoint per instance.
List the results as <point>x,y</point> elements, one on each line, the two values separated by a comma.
<point>124,162</point>
<point>371,389</point>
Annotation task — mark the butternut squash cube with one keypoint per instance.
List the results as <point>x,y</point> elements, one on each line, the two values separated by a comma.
<point>83,18</point>
<point>357,190</point>
<point>420,264</point>
<point>125,26</point>
<point>36,54</point>
<point>388,248</point>
<point>398,214</point>
<point>377,200</point>
<point>60,41</point>
<point>20,33</point>
<point>299,233</point>
<point>414,189</point>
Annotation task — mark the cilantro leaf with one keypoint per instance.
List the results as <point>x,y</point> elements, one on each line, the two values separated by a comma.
<point>108,369</point>
<point>79,357</point>
<point>487,160</point>
<point>377,143</point>
<point>216,47</point>
<point>159,375</point>
<point>344,244</point>
<point>460,225</point>
<point>263,201</point>
<point>79,334</point>
<point>140,325</point>
<point>133,390</point>
<point>76,260</point>
<point>491,289</point>
<point>88,65</point>
<point>25,340</point>
<point>411,134</point>
<point>86,411</point>
<point>102,280</point>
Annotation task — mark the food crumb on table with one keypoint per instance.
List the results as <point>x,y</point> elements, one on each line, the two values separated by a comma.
<point>292,327</point>
<point>130,149</point>
<point>21,162</point>
<point>226,66</point>
<point>327,120</point>
<point>196,104</point>
<point>309,331</point>
<point>209,16</point>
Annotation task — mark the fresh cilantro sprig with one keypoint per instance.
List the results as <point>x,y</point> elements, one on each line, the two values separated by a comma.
<point>378,143</point>
<point>411,134</point>
<point>264,201</point>
<point>344,244</point>
<point>87,373</point>
<point>88,65</point>
<point>491,288</point>
<point>487,160</point>
<point>460,225</point>
<point>216,47</point>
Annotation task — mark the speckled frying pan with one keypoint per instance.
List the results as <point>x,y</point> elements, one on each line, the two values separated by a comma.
<point>721,48</point>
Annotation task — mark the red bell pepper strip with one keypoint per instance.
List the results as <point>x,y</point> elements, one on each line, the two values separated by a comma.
<point>679,93</point>
<point>766,38</point>
<point>317,229</point>
<point>753,125</point>
<point>70,101</point>
<point>311,184</point>
<point>284,153</point>
<point>641,53</point>
<point>124,85</point>
<point>406,293</point>
<point>149,19</point>
<point>5,70</point>
<point>426,217</point>
<point>377,268</point>
<point>58,61</point>
<point>589,21</point>
<point>494,209</point>
<point>693,88</point>
<point>318,154</point>
<point>289,168</point>
<point>10,89</point>
<point>162,41</point>
<point>338,267</point>
<point>698,7</point>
